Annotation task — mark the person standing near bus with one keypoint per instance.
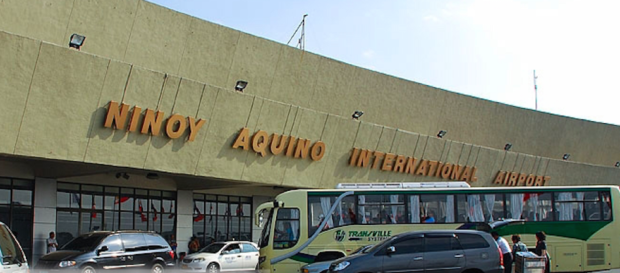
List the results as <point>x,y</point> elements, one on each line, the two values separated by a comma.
<point>506,253</point>
<point>194,245</point>
<point>541,248</point>
<point>517,245</point>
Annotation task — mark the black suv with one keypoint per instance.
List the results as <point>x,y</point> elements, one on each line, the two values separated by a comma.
<point>103,250</point>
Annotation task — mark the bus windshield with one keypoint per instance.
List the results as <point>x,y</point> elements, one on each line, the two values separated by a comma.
<point>265,234</point>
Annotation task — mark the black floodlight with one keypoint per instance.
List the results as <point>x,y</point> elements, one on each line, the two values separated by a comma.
<point>241,85</point>
<point>76,41</point>
<point>566,156</point>
<point>617,164</point>
<point>441,133</point>
<point>508,146</point>
<point>357,114</point>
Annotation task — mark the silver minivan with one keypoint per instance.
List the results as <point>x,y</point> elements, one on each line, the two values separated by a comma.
<point>13,258</point>
<point>446,251</point>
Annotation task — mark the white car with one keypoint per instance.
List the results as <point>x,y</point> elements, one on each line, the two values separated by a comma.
<point>223,257</point>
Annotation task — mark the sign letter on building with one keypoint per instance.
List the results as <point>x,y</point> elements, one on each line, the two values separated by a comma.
<point>261,143</point>
<point>152,122</point>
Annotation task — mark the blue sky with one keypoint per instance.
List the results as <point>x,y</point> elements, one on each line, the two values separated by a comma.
<point>483,48</point>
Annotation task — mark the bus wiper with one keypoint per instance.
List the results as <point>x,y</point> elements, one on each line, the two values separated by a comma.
<point>10,257</point>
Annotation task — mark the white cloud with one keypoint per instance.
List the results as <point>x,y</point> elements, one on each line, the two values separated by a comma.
<point>431,18</point>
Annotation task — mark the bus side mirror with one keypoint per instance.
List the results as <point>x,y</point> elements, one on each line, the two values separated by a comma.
<point>258,220</point>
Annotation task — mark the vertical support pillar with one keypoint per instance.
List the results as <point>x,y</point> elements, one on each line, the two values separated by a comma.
<point>44,215</point>
<point>185,210</point>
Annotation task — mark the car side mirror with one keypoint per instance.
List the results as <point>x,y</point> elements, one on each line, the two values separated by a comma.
<point>391,250</point>
<point>102,249</point>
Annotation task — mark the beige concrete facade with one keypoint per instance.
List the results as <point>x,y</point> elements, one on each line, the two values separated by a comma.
<point>55,101</point>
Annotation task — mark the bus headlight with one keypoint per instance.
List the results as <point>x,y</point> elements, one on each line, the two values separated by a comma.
<point>64,264</point>
<point>341,266</point>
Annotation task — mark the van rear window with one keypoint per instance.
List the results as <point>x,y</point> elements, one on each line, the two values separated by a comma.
<point>472,241</point>
<point>155,241</point>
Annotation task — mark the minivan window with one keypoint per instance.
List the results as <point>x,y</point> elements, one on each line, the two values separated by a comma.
<point>86,242</point>
<point>113,243</point>
<point>134,241</point>
<point>441,244</point>
<point>9,248</point>
<point>472,241</point>
<point>155,241</point>
<point>409,245</point>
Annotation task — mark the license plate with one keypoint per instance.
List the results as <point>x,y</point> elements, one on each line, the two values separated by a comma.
<point>184,266</point>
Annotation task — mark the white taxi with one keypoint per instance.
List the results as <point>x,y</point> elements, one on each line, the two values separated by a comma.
<point>223,257</point>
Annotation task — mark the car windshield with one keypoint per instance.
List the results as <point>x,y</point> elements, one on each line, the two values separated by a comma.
<point>363,249</point>
<point>212,248</point>
<point>86,242</point>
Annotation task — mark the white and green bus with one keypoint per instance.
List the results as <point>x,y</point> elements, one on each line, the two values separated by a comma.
<point>306,226</point>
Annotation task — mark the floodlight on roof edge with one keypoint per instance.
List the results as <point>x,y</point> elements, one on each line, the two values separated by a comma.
<point>241,85</point>
<point>357,114</point>
<point>508,146</point>
<point>566,156</point>
<point>76,41</point>
<point>441,133</point>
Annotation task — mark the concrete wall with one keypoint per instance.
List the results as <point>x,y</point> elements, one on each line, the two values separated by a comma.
<point>57,99</point>
<point>149,37</point>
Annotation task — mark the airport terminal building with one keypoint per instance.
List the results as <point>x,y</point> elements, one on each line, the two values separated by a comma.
<point>143,126</point>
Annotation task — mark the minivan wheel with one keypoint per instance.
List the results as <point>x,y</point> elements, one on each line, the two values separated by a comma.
<point>157,268</point>
<point>88,269</point>
<point>213,268</point>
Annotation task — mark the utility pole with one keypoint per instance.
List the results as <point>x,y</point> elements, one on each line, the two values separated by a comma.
<point>301,43</point>
<point>535,92</point>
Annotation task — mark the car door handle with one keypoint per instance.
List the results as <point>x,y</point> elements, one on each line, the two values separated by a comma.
<point>418,258</point>
<point>238,256</point>
<point>458,256</point>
